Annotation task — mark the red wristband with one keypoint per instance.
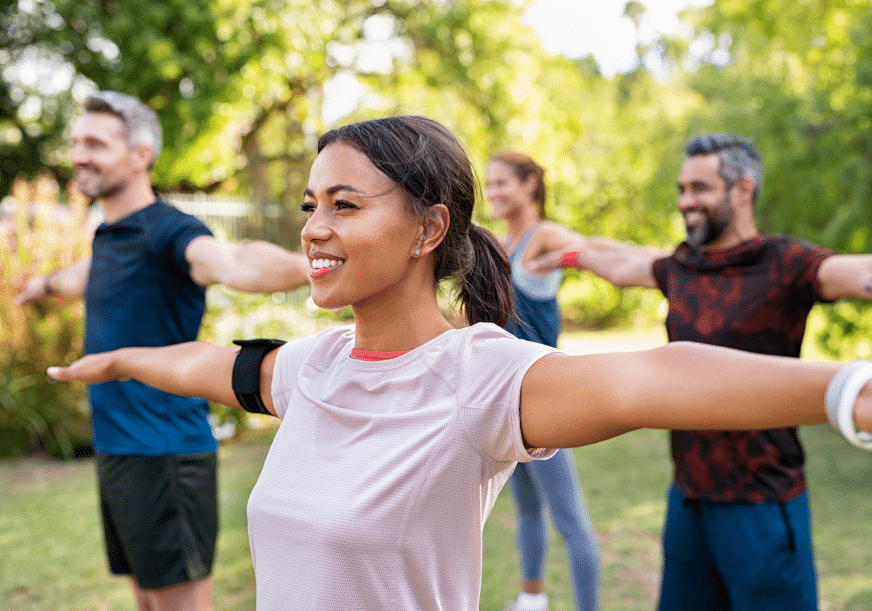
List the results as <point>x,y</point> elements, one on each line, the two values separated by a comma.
<point>569,259</point>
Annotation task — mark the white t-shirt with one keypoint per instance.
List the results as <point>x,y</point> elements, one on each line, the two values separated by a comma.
<point>378,482</point>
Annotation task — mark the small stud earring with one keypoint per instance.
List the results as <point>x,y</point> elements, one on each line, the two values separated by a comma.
<point>417,251</point>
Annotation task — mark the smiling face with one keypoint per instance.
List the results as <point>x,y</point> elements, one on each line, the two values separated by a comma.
<point>705,202</point>
<point>103,163</point>
<point>361,234</point>
<point>507,193</point>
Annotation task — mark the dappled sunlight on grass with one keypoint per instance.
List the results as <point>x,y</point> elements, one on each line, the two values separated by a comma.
<point>647,516</point>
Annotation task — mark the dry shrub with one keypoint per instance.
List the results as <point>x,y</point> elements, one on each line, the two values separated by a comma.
<point>41,234</point>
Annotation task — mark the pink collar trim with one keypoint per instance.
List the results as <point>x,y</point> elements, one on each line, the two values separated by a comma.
<point>375,355</point>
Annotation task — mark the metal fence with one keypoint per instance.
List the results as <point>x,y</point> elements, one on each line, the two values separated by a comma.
<point>238,219</point>
<point>229,218</point>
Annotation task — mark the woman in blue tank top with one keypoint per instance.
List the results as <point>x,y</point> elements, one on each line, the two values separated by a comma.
<point>516,190</point>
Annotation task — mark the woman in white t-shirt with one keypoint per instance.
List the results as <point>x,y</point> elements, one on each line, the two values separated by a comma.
<point>398,431</point>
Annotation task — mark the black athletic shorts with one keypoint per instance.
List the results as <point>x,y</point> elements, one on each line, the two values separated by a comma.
<point>160,516</point>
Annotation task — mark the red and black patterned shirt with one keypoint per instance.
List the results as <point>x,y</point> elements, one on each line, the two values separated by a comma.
<point>756,297</point>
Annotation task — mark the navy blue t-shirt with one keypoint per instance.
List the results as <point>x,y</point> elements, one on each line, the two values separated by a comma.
<point>140,293</point>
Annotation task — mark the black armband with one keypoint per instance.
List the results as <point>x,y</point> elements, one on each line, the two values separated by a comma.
<point>246,372</point>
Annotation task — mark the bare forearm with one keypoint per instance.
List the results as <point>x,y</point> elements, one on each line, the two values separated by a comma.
<point>69,282</point>
<point>193,369</point>
<point>254,267</point>
<point>693,386</point>
<point>621,263</point>
<point>574,401</point>
<point>846,276</point>
<point>263,267</point>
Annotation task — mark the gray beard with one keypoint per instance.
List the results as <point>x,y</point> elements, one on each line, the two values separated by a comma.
<point>707,232</point>
<point>102,190</point>
<point>699,235</point>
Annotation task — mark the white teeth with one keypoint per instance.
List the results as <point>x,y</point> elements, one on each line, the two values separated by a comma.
<point>322,263</point>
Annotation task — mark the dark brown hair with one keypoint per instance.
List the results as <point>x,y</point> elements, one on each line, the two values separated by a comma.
<point>524,167</point>
<point>428,162</point>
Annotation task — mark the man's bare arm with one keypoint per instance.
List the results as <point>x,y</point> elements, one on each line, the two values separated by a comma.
<point>843,276</point>
<point>622,263</point>
<point>69,282</point>
<point>253,267</point>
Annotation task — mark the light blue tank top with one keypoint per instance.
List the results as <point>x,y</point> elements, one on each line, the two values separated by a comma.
<point>537,287</point>
<point>538,315</point>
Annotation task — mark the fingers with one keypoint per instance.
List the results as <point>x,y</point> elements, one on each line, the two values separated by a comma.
<point>91,369</point>
<point>61,374</point>
<point>32,290</point>
<point>863,409</point>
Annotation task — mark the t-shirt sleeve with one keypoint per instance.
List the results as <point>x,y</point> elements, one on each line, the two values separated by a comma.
<point>190,227</point>
<point>171,232</point>
<point>658,268</point>
<point>802,261</point>
<point>492,368</point>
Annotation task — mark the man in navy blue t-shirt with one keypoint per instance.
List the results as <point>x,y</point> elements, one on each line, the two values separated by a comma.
<point>145,285</point>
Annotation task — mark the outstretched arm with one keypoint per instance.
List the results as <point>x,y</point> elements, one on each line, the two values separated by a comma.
<point>192,369</point>
<point>569,401</point>
<point>546,245</point>
<point>621,263</point>
<point>253,267</point>
<point>67,282</point>
<point>846,276</point>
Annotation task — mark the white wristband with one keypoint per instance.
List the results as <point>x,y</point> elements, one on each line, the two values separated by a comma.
<point>842,393</point>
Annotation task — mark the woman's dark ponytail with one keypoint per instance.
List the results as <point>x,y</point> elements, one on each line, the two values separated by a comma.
<point>485,293</point>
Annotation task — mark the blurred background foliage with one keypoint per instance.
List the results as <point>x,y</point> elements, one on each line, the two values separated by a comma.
<point>244,87</point>
<point>38,236</point>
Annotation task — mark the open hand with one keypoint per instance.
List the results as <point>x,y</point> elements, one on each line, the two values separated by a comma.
<point>91,369</point>
<point>32,290</point>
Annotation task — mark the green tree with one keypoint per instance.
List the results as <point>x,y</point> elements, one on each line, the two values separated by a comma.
<point>797,78</point>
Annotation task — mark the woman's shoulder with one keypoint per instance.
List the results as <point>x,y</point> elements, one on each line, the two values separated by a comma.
<point>492,363</point>
<point>322,347</point>
<point>494,346</point>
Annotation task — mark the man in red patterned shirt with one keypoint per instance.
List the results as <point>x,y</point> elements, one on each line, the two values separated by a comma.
<point>738,528</point>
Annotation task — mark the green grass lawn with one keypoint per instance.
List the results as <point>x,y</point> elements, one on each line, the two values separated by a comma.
<point>51,540</point>
<point>51,549</point>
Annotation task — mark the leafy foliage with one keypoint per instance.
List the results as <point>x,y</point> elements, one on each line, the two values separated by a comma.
<point>798,81</point>
<point>40,236</point>
<point>241,116</point>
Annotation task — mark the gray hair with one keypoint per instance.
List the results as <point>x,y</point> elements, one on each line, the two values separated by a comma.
<point>140,122</point>
<point>739,158</point>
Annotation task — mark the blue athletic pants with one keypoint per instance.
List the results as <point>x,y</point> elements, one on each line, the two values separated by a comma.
<point>554,482</point>
<point>737,556</point>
